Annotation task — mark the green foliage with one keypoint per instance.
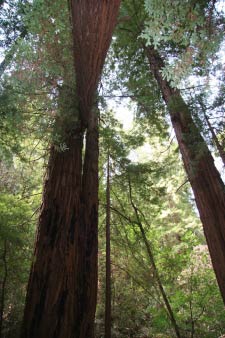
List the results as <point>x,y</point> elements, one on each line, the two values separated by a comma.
<point>193,30</point>
<point>11,217</point>
<point>10,123</point>
<point>184,23</point>
<point>19,203</point>
<point>38,107</point>
<point>12,21</point>
<point>176,238</point>
<point>16,238</point>
<point>67,117</point>
<point>50,45</point>
<point>127,71</point>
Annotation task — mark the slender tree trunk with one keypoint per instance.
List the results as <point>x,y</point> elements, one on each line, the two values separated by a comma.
<point>3,287</point>
<point>204,178</point>
<point>155,270</point>
<point>62,290</point>
<point>215,139</point>
<point>108,258</point>
<point>87,245</point>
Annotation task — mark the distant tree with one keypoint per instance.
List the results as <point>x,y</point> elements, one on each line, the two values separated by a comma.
<point>108,321</point>
<point>205,179</point>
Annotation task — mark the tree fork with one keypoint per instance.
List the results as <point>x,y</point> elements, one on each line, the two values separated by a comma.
<point>62,290</point>
<point>93,24</point>
<point>204,178</point>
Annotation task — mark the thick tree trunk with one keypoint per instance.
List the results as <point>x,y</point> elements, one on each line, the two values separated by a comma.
<point>62,291</point>
<point>93,24</point>
<point>50,299</point>
<point>108,258</point>
<point>204,178</point>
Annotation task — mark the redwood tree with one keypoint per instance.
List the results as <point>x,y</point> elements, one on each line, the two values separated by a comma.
<point>204,178</point>
<point>62,289</point>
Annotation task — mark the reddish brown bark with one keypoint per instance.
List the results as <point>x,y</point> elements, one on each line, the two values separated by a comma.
<point>49,308</point>
<point>87,245</point>
<point>204,178</point>
<point>62,290</point>
<point>93,24</point>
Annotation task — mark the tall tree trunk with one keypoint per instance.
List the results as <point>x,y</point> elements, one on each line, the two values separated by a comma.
<point>51,298</point>
<point>204,178</point>
<point>87,245</point>
<point>62,290</point>
<point>108,258</point>
<point>93,24</point>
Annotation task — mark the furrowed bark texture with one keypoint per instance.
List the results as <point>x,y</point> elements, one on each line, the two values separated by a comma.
<point>93,24</point>
<point>87,246</point>
<point>62,290</point>
<point>50,299</point>
<point>204,178</point>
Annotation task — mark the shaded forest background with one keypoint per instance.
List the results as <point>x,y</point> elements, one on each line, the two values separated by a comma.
<point>162,280</point>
